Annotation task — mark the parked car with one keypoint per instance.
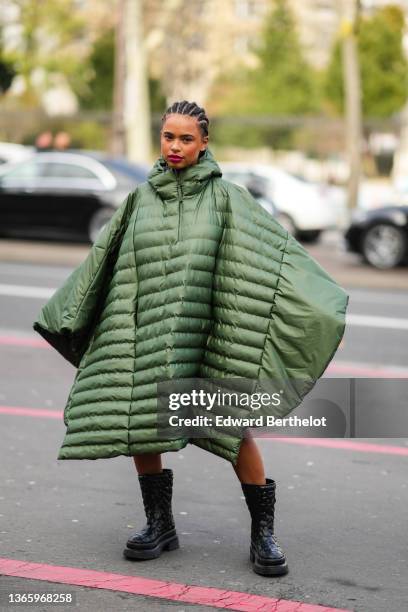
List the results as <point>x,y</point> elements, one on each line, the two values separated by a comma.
<point>304,210</point>
<point>67,195</point>
<point>269,205</point>
<point>380,236</point>
<point>11,152</point>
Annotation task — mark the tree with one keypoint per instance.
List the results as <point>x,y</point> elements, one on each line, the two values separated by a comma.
<point>7,71</point>
<point>181,52</point>
<point>284,83</point>
<point>7,74</point>
<point>98,94</point>
<point>51,42</point>
<point>384,68</point>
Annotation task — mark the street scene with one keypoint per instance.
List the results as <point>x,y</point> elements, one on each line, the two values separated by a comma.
<point>341,510</point>
<point>169,173</point>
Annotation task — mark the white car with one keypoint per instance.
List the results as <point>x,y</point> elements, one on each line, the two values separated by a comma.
<point>11,152</point>
<point>304,208</point>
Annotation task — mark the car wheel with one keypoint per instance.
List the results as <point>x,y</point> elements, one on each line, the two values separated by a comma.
<point>384,246</point>
<point>98,222</point>
<point>308,236</point>
<point>286,222</point>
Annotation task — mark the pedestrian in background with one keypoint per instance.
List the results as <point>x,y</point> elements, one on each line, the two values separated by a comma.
<point>43,142</point>
<point>191,278</point>
<point>62,141</point>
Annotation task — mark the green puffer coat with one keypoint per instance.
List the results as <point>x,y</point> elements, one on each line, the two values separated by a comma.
<point>190,278</point>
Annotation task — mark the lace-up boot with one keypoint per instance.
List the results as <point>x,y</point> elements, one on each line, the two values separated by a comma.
<point>266,555</point>
<point>159,533</point>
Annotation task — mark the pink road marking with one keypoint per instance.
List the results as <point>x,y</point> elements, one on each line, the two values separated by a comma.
<point>32,412</point>
<point>363,447</point>
<point>347,368</point>
<point>24,341</point>
<point>171,591</point>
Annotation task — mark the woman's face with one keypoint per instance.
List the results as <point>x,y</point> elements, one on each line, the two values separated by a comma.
<point>181,141</point>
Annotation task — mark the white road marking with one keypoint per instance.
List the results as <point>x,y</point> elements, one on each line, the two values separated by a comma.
<point>32,270</point>
<point>393,299</point>
<point>365,370</point>
<point>356,320</point>
<point>373,321</point>
<point>26,291</point>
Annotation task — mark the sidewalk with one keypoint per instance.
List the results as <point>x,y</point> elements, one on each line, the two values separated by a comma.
<point>349,270</point>
<point>41,252</point>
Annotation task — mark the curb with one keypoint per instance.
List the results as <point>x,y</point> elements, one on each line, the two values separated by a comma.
<point>47,253</point>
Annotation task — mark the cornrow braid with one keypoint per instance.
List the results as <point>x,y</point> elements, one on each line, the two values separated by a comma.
<point>193,110</point>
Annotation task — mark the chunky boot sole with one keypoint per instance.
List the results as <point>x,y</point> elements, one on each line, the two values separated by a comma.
<point>278,569</point>
<point>144,554</point>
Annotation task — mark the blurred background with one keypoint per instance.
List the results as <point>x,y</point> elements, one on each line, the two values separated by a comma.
<point>308,108</point>
<point>307,102</point>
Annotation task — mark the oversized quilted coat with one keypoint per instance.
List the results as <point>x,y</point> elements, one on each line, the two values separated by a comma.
<point>190,278</point>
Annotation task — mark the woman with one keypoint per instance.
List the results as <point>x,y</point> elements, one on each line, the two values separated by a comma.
<point>191,278</point>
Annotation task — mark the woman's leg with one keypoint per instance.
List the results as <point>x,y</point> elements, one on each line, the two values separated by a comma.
<point>249,467</point>
<point>149,463</point>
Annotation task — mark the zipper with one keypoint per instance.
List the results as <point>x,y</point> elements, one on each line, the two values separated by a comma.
<point>180,207</point>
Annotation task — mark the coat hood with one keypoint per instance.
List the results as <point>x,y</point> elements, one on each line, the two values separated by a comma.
<point>164,179</point>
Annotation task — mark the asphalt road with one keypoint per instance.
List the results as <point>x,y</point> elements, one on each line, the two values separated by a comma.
<point>347,269</point>
<point>341,512</point>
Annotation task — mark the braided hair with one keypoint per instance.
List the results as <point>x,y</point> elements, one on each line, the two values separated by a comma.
<point>193,110</point>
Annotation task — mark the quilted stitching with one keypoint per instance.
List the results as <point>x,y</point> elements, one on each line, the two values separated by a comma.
<point>210,286</point>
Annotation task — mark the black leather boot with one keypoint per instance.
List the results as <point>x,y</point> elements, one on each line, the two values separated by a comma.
<point>267,557</point>
<point>159,533</point>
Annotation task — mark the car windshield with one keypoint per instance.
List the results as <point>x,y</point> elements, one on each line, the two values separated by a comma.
<point>25,170</point>
<point>130,172</point>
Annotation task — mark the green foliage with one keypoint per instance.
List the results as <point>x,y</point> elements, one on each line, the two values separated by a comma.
<point>240,134</point>
<point>98,94</point>
<point>89,135</point>
<point>157,99</point>
<point>283,83</point>
<point>333,85</point>
<point>51,33</point>
<point>231,93</point>
<point>383,66</point>
<point>7,71</point>
<point>7,74</point>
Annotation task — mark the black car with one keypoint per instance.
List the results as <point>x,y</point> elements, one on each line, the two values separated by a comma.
<point>380,235</point>
<point>64,195</point>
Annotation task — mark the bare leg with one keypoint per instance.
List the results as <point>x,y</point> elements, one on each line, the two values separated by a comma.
<point>148,463</point>
<point>249,467</point>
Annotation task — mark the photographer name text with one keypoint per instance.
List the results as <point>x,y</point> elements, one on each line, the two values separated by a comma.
<point>259,421</point>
